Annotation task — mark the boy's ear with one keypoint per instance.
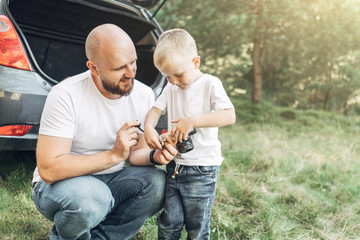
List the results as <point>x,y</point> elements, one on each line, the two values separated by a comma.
<point>196,61</point>
<point>91,65</point>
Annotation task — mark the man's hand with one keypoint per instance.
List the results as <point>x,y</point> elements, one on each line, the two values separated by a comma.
<point>166,154</point>
<point>126,137</point>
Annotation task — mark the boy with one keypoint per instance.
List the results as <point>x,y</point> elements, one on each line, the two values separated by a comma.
<point>192,100</point>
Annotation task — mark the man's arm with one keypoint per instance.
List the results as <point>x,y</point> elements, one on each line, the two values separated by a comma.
<point>55,162</point>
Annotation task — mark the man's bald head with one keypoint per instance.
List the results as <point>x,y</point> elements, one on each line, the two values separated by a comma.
<point>112,60</point>
<point>105,39</point>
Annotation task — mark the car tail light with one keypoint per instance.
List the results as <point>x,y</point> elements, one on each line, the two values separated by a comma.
<point>15,130</point>
<point>12,53</point>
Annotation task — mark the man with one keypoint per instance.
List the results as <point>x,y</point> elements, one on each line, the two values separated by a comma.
<point>87,132</point>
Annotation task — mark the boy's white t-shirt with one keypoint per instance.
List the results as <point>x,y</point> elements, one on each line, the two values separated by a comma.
<point>76,109</point>
<point>204,96</point>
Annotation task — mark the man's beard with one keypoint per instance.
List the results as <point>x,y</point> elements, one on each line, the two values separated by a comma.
<point>115,88</point>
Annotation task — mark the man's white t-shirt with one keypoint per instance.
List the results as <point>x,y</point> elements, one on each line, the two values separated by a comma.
<point>76,109</point>
<point>204,96</point>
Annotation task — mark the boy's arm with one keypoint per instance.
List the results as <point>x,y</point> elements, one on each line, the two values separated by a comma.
<point>218,118</point>
<point>151,120</point>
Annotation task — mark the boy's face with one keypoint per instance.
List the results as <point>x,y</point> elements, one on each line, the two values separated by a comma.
<point>181,72</point>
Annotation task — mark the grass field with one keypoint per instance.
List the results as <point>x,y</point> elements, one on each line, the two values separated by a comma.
<point>286,175</point>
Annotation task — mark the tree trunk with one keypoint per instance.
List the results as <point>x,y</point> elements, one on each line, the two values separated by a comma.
<point>346,107</point>
<point>257,84</point>
<point>328,90</point>
<point>326,99</point>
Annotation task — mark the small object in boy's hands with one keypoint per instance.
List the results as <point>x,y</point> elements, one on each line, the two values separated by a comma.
<point>187,145</point>
<point>163,136</point>
<point>183,147</point>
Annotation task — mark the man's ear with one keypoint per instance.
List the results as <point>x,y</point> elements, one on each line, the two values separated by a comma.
<point>196,61</point>
<point>91,65</point>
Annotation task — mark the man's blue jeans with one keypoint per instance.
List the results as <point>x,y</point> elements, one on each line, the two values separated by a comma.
<point>189,198</point>
<point>111,206</point>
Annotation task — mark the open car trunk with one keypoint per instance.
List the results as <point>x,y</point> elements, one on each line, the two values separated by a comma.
<point>55,32</point>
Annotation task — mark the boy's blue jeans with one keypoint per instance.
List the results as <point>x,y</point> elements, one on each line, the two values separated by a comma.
<point>110,206</point>
<point>189,198</point>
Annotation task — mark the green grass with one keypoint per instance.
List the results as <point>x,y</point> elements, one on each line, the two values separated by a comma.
<point>287,174</point>
<point>288,183</point>
<point>19,218</point>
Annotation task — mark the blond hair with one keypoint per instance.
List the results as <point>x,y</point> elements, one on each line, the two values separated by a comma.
<point>174,44</point>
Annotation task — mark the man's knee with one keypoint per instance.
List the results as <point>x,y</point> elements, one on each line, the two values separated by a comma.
<point>95,205</point>
<point>82,216</point>
<point>83,209</point>
<point>93,201</point>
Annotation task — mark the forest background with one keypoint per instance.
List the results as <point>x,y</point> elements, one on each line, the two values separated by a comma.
<point>303,53</point>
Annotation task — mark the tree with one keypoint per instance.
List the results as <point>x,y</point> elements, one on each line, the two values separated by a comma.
<point>257,82</point>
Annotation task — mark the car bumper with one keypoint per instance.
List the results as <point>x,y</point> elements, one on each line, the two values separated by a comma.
<point>22,143</point>
<point>22,98</point>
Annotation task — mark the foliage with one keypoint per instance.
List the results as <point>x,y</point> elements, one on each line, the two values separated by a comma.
<point>310,53</point>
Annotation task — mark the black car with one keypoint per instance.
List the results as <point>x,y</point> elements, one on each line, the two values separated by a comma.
<point>42,42</point>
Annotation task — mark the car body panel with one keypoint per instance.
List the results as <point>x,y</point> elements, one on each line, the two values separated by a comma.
<point>21,81</point>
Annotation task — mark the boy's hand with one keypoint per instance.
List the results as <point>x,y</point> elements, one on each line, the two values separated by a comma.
<point>182,128</point>
<point>152,138</point>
